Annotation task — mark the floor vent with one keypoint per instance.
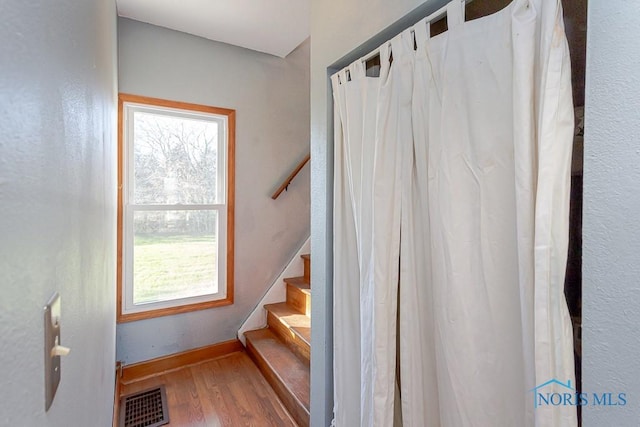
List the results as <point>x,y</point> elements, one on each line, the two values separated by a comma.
<point>147,408</point>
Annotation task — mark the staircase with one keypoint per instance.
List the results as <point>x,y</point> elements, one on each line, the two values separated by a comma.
<point>282,349</point>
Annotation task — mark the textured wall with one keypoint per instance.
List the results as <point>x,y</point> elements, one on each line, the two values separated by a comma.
<point>57,206</point>
<point>271,99</point>
<point>611,232</point>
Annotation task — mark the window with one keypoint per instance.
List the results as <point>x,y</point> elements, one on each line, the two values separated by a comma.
<point>175,207</point>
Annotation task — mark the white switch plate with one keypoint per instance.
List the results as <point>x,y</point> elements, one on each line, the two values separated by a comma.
<point>51,338</point>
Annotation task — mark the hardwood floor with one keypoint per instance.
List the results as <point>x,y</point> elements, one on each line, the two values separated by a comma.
<point>228,391</point>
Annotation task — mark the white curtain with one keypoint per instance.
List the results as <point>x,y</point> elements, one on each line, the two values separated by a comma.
<point>452,175</point>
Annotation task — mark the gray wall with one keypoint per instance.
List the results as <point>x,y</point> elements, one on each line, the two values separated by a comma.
<point>611,231</point>
<point>340,32</point>
<point>271,99</point>
<point>57,206</point>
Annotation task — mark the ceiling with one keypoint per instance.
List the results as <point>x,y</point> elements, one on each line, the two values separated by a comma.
<point>278,26</point>
<point>275,27</point>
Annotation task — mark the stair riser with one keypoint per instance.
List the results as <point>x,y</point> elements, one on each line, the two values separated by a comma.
<point>297,410</point>
<point>297,345</point>
<point>298,299</point>
<point>307,269</point>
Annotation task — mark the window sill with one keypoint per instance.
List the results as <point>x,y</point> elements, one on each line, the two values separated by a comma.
<point>187,308</point>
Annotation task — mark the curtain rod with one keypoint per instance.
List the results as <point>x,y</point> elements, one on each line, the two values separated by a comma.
<point>440,13</point>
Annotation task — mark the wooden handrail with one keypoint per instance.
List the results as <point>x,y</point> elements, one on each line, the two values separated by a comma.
<point>292,175</point>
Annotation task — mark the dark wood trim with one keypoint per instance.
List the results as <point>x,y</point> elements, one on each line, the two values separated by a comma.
<point>292,175</point>
<point>231,150</point>
<point>149,368</point>
<point>159,312</point>
<point>116,395</point>
<point>231,204</point>
<point>127,97</point>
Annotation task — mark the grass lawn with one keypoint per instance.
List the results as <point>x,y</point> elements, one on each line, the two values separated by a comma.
<point>167,267</point>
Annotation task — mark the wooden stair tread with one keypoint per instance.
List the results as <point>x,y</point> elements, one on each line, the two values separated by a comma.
<point>286,373</point>
<point>299,323</point>
<point>282,351</point>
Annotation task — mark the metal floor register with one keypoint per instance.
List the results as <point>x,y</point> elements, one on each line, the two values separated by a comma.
<point>147,408</point>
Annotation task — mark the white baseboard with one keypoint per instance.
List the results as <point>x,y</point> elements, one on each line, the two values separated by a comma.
<point>276,293</point>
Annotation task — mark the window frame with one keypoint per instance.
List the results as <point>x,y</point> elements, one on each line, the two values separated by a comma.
<point>124,151</point>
